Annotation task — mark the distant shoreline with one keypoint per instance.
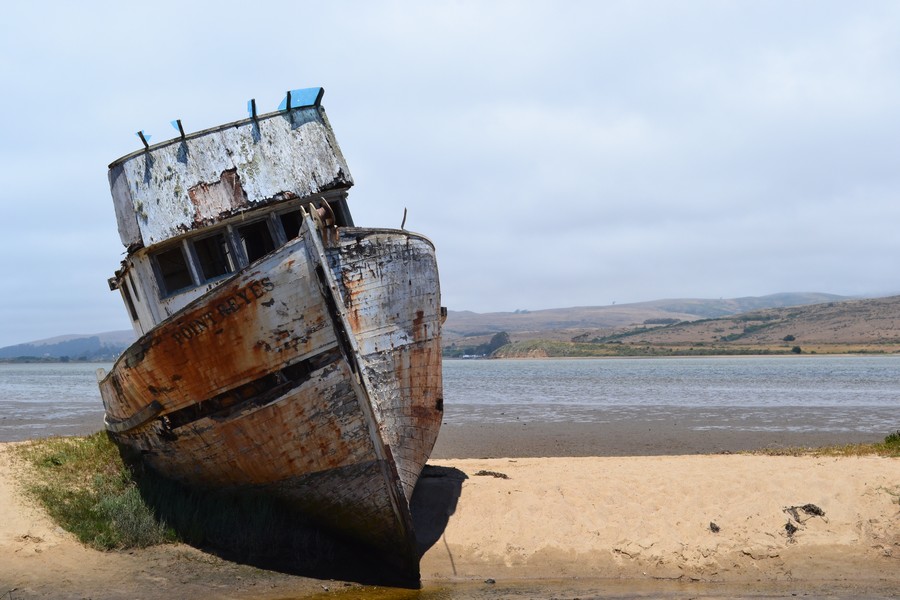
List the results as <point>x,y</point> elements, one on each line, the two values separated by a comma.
<point>30,360</point>
<point>548,349</point>
<point>675,355</point>
<point>56,361</point>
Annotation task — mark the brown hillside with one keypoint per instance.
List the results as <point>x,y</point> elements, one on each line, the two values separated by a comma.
<point>539,323</point>
<point>543,323</point>
<point>860,322</point>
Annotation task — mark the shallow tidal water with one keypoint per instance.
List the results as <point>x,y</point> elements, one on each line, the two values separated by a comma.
<point>41,400</point>
<point>611,590</point>
<point>785,393</point>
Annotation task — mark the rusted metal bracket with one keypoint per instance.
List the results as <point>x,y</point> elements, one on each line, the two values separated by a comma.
<point>136,420</point>
<point>144,139</point>
<point>177,125</point>
<point>323,217</point>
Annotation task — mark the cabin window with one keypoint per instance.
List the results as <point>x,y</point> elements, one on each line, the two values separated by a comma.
<point>291,222</point>
<point>256,240</point>
<point>134,289</point>
<point>129,302</point>
<point>214,256</point>
<point>174,274</point>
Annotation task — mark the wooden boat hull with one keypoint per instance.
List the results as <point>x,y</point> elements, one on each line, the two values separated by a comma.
<point>313,375</point>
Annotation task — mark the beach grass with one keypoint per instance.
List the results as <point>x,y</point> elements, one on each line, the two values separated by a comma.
<point>890,448</point>
<point>86,489</point>
<point>110,504</point>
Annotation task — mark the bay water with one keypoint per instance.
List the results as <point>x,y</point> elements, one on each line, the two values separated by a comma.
<point>785,393</point>
<point>794,393</point>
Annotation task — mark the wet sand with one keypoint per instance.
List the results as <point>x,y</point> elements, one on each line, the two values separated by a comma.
<point>523,439</point>
<point>635,438</point>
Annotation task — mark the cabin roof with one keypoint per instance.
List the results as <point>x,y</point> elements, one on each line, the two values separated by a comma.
<point>194,181</point>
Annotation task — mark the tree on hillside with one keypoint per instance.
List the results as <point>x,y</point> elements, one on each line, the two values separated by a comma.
<point>499,339</point>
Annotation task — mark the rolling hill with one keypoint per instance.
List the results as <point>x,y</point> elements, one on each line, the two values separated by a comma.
<point>767,324</point>
<point>869,325</point>
<point>462,324</point>
<point>92,347</point>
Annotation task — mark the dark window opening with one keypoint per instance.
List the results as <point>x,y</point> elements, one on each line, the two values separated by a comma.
<point>134,289</point>
<point>214,256</point>
<point>291,223</point>
<point>341,212</point>
<point>173,270</point>
<point>129,302</point>
<point>256,240</point>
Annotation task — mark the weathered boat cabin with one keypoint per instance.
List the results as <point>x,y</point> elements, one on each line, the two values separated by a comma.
<point>196,209</point>
<point>282,349</point>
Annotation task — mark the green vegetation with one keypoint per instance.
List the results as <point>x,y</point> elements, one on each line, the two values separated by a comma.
<point>616,337</point>
<point>889,448</point>
<point>86,489</point>
<point>748,329</point>
<point>497,341</point>
<point>554,349</point>
<point>663,321</point>
<point>755,317</point>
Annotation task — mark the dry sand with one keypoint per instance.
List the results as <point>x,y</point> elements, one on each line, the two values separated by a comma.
<point>650,517</point>
<point>642,519</point>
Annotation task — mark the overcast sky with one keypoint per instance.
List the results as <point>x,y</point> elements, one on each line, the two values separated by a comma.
<point>558,153</point>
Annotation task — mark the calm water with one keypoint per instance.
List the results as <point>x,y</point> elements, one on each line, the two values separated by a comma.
<point>49,399</point>
<point>833,393</point>
<point>803,393</point>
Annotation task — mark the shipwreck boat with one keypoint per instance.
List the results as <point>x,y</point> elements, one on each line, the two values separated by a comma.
<point>281,349</point>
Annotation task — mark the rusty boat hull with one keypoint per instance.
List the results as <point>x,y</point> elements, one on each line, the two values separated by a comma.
<point>309,372</point>
<point>328,399</point>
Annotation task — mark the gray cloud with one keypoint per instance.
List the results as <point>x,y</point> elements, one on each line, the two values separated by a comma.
<point>558,154</point>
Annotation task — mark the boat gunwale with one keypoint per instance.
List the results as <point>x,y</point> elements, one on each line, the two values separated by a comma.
<point>225,281</point>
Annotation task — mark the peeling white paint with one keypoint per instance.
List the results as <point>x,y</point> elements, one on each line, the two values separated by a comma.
<point>292,154</point>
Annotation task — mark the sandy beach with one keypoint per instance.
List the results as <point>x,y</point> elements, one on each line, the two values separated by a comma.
<point>551,503</point>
